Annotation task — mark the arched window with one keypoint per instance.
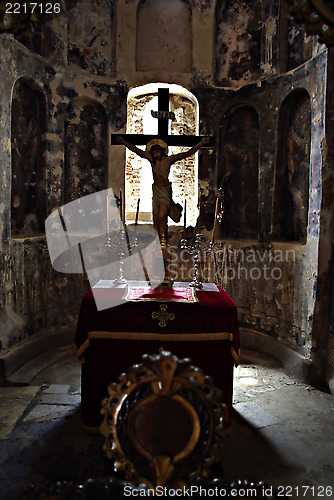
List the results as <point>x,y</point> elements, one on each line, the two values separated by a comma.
<point>164,36</point>
<point>138,175</point>
<point>28,161</point>
<point>85,149</point>
<point>291,192</point>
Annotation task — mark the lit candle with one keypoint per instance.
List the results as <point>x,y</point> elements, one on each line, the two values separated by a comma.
<point>185,219</point>
<point>215,222</point>
<point>137,212</point>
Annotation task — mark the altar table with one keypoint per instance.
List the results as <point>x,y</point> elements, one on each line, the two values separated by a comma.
<point>111,340</point>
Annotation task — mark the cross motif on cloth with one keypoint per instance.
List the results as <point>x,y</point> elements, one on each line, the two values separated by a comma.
<point>163,115</point>
<point>163,315</point>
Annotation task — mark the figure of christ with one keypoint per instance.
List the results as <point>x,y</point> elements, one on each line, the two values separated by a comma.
<point>162,202</point>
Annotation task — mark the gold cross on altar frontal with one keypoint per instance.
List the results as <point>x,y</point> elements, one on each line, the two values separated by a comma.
<point>163,315</point>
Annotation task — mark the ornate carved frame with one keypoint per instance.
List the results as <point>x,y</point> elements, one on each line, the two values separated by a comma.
<point>145,459</point>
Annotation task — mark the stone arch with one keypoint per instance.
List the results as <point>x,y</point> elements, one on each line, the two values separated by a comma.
<point>239,153</point>
<point>85,148</point>
<point>292,172</point>
<point>184,174</point>
<point>28,128</point>
<point>238,35</point>
<point>164,36</point>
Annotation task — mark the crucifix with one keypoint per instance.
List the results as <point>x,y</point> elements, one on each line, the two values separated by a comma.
<point>157,154</point>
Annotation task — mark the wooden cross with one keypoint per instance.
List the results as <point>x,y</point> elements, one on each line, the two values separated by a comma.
<point>163,115</point>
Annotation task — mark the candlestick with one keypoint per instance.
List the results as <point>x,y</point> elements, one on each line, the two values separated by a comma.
<point>137,212</point>
<point>215,222</point>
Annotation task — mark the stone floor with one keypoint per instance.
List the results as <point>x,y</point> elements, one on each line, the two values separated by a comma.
<point>282,431</point>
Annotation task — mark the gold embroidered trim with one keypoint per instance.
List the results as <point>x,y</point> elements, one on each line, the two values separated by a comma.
<point>130,295</point>
<point>160,336</point>
<point>235,356</point>
<point>81,350</point>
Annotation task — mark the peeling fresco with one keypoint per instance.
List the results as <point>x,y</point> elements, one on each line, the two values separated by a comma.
<point>299,46</point>
<point>85,150</point>
<point>291,201</point>
<point>164,36</point>
<point>239,182</point>
<point>28,161</point>
<point>238,42</point>
<point>90,41</point>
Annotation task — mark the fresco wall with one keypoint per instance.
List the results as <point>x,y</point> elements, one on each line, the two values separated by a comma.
<point>252,72</point>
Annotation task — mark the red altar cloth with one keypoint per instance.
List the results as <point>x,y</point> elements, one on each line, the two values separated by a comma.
<point>109,341</point>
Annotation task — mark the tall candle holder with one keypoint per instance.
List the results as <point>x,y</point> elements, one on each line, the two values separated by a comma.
<point>120,236</point>
<point>198,250</point>
<point>117,245</point>
<point>195,251</point>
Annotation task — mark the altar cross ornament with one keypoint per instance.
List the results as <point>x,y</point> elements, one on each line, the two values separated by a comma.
<point>163,315</point>
<point>163,115</point>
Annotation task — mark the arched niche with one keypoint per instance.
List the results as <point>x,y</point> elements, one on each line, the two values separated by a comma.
<point>28,128</point>
<point>91,36</point>
<point>238,176</point>
<point>164,36</point>
<point>138,174</point>
<point>292,172</point>
<point>238,41</point>
<point>85,149</point>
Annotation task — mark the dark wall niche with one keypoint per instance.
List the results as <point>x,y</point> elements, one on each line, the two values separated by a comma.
<point>85,149</point>
<point>238,175</point>
<point>28,128</point>
<point>291,187</point>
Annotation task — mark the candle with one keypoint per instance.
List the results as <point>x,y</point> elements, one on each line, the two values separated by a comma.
<point>137,212</point>
<point>121,205</point>
<point>200,216</point>
<point>215,221</point>
<point>185,219</point>
<point>107,216</point>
